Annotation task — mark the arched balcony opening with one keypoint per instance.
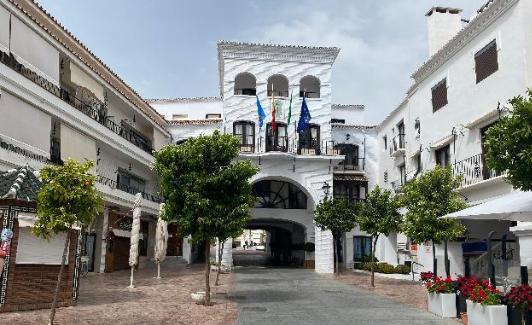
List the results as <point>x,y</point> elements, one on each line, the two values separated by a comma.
<point>277,139</point>
<point>309,87</point>
<point>245,84</point>
<point>278,86</point>
<point>274,194</point>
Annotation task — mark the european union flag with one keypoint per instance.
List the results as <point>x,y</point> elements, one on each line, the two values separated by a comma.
<point>304,118</point>
<point>260,112</point>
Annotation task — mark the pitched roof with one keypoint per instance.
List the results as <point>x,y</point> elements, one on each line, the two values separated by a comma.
<point>21,183</point>
<point>50,25</point>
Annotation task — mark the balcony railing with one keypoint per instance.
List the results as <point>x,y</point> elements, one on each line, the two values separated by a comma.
<point>93,109</point>
<point>277,93</point>
<point>115,185</point>
<point>351,201</point>
<point>474,170</point>
<point>397,143</point>
<point>246,91</point>
<point>297,147</point>
<point>354,164</point>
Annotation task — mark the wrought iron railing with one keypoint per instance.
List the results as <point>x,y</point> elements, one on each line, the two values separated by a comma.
<point>277,93</point>
<point>93,109</point>
<point>474,170</point>
<point>397,143</point>
<point>352,164</point>
<point>294,146</point>
<point>351,201</point>
<point>246,91</point>
<point>116,185</point>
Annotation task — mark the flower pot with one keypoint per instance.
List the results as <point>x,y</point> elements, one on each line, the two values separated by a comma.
<point>515,316</point>
<point>442,304</point>
<point>486,315</point>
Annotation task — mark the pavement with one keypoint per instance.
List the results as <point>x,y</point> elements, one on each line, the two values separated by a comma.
<point>299,296</point>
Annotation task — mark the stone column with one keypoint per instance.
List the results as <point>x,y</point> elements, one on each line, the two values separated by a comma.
<point>105,229</point>
<point>227,254</point>
<point>187,250</point>
<point>523,231</point>
<point>324,254</point>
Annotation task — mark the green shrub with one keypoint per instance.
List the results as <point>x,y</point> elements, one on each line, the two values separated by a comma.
<point>402,269</point>
<point>383,267</point>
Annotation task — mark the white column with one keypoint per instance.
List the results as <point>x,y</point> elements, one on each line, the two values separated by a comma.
<point>523,231</point>
<point>324,254</point>
<point>187,250</point>
<point>105,228</point>
<point>227,254</point>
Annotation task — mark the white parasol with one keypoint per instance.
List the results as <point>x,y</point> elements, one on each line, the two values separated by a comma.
<point>161,238</point>
<point>135,229</point>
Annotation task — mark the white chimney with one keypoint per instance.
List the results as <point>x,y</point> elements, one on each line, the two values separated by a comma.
<point>443,23</point>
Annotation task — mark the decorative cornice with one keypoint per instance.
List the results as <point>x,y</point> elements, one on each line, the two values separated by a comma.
<point>352,126</point>
<point>348,106</point>
<point>57,31</point>
<point>184,100</point>
<point>485,18</point>
<point>196,122</point>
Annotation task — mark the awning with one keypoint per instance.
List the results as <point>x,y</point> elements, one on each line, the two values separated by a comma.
<point>516,206</point>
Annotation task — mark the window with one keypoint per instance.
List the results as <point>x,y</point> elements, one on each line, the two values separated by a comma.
<point>179,116</point>
<point>352,191</point>
<point>338,120</point>
<point>213,116</point>
<point>351,160</point>
<point>245,84</point>
<point>278,86</point>
<point>443,156</point>
<point>385,140</point>
<point>245,132</point>
<point>417,127</point>
<point>361,248</point>
<point>439,95</point>
<point>309,141</point>
<point>402,174</point>
<point>278,195</point>
<point>276,140</point>
<point>417,160</point>
<point>309,87</point>
<point>130,183</point>
<point>486,61</point>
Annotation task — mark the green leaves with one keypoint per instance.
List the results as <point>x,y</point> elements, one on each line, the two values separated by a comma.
<point>67,198</point>
<point>509,144</point>
<point>335,215</point>
<point>207,193</point>
<point>427,198</point>
<point>379,213</point>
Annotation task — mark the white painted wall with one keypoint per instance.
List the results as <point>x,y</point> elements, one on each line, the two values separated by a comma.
<point>194,108</point>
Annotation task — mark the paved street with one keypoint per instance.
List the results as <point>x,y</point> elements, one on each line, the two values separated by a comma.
<point>297,296</point>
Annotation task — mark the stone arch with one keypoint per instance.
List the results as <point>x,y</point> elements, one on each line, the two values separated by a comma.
<point>312,197</point>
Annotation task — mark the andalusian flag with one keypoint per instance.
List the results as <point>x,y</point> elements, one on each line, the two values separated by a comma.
<point>289,110</point>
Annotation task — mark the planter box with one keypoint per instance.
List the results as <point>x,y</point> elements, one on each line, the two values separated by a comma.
<point>515,317</point>
<point>486,315</point>
<point>442,304</point>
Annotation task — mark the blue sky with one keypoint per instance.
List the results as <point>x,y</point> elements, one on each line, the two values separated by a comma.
<point>167,48</point>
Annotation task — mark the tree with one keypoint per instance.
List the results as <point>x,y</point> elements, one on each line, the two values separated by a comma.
<point>337,216</point>
<point>379,215</point>
<point>205,189</point>
<point>427,198</point>
<point>508,144</point>
<point>67,198</point>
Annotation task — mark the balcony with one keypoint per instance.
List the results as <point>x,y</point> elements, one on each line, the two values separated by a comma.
<point>473,170</point>
<point>397,145</point>
<point>115,185</point>
<point>354,165</point>
<point>93,109</point>
<point>246,91</point>
<point>351,201</point>
<point>291,146</point>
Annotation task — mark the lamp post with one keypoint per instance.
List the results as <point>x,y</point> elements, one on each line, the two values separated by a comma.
<point>326,187</point>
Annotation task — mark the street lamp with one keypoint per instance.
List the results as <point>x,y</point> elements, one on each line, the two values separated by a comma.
<point>326,187</point>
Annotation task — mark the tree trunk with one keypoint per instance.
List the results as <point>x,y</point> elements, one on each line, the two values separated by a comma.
<point>375,238</point>
<point>220,253</point>
<point>207,273</point>
<point>59,276</point>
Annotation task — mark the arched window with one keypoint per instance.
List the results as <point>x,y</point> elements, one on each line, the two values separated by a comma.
<point>278,86</point>
<point>277,140</point>
<point>245,84</point>
<point>245,132</point>
<point>309,87</point>
<point>309,141</point>
<point>279,195</point>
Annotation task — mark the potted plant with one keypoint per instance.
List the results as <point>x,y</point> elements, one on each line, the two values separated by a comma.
<point>519,301</point>
<point>484,306</point>
<point>441,296</point>
<point>465,285</point>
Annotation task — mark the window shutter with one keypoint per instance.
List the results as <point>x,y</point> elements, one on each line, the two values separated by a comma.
<point>439,95</point>
<point>486,61</point>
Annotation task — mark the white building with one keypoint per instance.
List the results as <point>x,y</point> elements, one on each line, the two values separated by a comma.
<point>58,101</point>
